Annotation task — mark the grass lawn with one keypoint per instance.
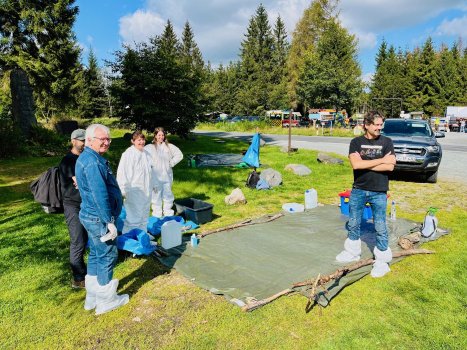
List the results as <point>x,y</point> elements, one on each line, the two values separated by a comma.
<point>421,304</point>
<point>266,128</point>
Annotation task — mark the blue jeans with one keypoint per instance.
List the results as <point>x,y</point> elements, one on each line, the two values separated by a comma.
<point>102,256</point>
<point>378,203</point>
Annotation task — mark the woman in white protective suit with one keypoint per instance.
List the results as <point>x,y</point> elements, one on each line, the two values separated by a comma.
<point>164,157</point>
<point>134,177</point>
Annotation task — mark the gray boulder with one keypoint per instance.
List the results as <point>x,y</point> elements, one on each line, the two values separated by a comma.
<point>272,177</point>
<point>298,169</point>
<point>327,159</point>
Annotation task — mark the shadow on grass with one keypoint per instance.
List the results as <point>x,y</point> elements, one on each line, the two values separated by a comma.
<point>150,269</point>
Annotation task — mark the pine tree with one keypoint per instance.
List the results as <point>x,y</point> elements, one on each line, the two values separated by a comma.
<point>256,64</point>
<point>38,43</point>
<point>93,99</point>
<point>168,42</point>
<point>445,81</point>
<point>278,98</point>
<point>331,75</point>
<point>191,55</point>
<point>389,82</point>
<point>305,37</point>
<point>381,55</point>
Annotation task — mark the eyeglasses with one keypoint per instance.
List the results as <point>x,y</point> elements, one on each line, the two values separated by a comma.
<point>103,139</point>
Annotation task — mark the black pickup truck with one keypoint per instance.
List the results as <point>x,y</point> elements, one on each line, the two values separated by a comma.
<point>416,147</point>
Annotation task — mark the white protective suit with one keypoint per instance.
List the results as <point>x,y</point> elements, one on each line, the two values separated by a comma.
<point>164,158</point>
<point>134,177</point>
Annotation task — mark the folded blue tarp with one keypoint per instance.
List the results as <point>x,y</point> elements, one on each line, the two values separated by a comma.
<point>135,241</point>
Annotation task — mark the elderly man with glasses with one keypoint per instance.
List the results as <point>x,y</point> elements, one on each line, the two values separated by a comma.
<point>101,205</point>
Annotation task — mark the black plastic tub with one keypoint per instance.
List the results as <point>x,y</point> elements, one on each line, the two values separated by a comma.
<point>194,209</point>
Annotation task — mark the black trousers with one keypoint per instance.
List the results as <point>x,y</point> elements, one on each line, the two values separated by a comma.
<point>78,241</point>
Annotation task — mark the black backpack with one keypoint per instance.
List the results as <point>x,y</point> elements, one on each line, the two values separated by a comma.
<point>252,179</point>
<point>46,191</point>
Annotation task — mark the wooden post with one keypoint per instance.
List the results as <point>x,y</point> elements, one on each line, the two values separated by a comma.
<point>290,133</point>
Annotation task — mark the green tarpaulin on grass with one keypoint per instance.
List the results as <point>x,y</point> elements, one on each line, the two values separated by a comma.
<point>258,261</point>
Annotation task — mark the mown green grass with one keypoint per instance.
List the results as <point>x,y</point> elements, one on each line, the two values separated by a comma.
<point>266,128</point>
<point>419,305</point>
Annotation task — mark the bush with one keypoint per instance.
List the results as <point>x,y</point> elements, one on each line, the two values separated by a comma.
<point>10,146</point>
<point>45,142</point>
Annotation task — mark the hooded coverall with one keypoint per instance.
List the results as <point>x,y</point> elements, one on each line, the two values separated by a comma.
<point>134,177</point>
<point>164,158</point>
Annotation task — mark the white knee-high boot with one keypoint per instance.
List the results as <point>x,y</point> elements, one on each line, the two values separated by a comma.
<point>381,266</point>
<point>107,298</point>
<point>90,283</point>
<point>352,251</point>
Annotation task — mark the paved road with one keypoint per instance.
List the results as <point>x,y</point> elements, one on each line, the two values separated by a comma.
<point>453,165</point>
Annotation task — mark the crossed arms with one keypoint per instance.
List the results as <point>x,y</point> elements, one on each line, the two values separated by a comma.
<point>382,164</point>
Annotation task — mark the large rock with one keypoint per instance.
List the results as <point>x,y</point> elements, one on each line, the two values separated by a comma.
<point>273,177</point>
<point>235,197</point>
<point>298,169</point>
<point>327,159</point>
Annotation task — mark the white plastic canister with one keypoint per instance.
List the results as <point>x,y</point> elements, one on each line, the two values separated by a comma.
<point>171,234</point>
<point>311,199</point>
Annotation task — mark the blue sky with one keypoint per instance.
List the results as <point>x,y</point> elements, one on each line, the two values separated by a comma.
<point>219,25</point>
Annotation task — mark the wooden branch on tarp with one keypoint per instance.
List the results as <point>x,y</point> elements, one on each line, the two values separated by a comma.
<point>322,280</point>
<point>240,224</point>
<point>258,303</point>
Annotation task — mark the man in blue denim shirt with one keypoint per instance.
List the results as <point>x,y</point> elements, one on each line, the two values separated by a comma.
<point>372,158</point>
<point>101,204</point>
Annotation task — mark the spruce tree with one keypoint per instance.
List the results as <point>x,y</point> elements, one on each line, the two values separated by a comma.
<point>93,98</point>
<point>309,29</point>
<point>38,45</point>
<point>330,77</point>
<point>256,64</point>
<point>278,98</point>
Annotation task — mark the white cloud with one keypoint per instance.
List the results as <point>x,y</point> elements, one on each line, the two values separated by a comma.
<point>367,77</point>
<point>366,40</point>
<point>140,26</point>
<point>219,25</point>
<point>366,18</point>
<point>456,27</point>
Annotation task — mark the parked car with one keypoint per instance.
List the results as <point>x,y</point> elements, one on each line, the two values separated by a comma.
<point>236,119</point>
<point>416,147</point>
<point>253,118</point>
<point>453,123</point>
<point>304,122</point>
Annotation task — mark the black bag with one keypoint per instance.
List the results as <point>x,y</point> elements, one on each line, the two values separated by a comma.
<point>46,191</point>
<point>252,179</point>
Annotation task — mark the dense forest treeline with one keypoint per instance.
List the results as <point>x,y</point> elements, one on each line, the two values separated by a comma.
<point>167,82</point>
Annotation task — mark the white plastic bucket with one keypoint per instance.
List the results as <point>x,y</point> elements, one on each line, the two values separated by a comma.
<point>171,234</point>
<point>293,207</point>
<point>311,199</point>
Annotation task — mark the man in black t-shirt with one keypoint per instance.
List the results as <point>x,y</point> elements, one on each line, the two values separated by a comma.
<point>372,158</point>
<point>71,206</point>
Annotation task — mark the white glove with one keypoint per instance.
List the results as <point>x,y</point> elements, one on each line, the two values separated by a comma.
<point>111,233</point>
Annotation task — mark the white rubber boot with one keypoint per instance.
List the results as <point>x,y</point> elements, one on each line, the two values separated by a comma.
<point>381,266</point>
<point>107,298</point>
<point>351,252</point>
<point>90,284</point>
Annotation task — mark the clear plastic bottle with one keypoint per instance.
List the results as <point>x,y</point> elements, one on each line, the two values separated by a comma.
<point>194,240</point>
<point>393,211</point>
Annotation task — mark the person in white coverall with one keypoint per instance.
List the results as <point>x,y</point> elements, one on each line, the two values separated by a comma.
<point>164,157</point>
<point>134,177</point>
